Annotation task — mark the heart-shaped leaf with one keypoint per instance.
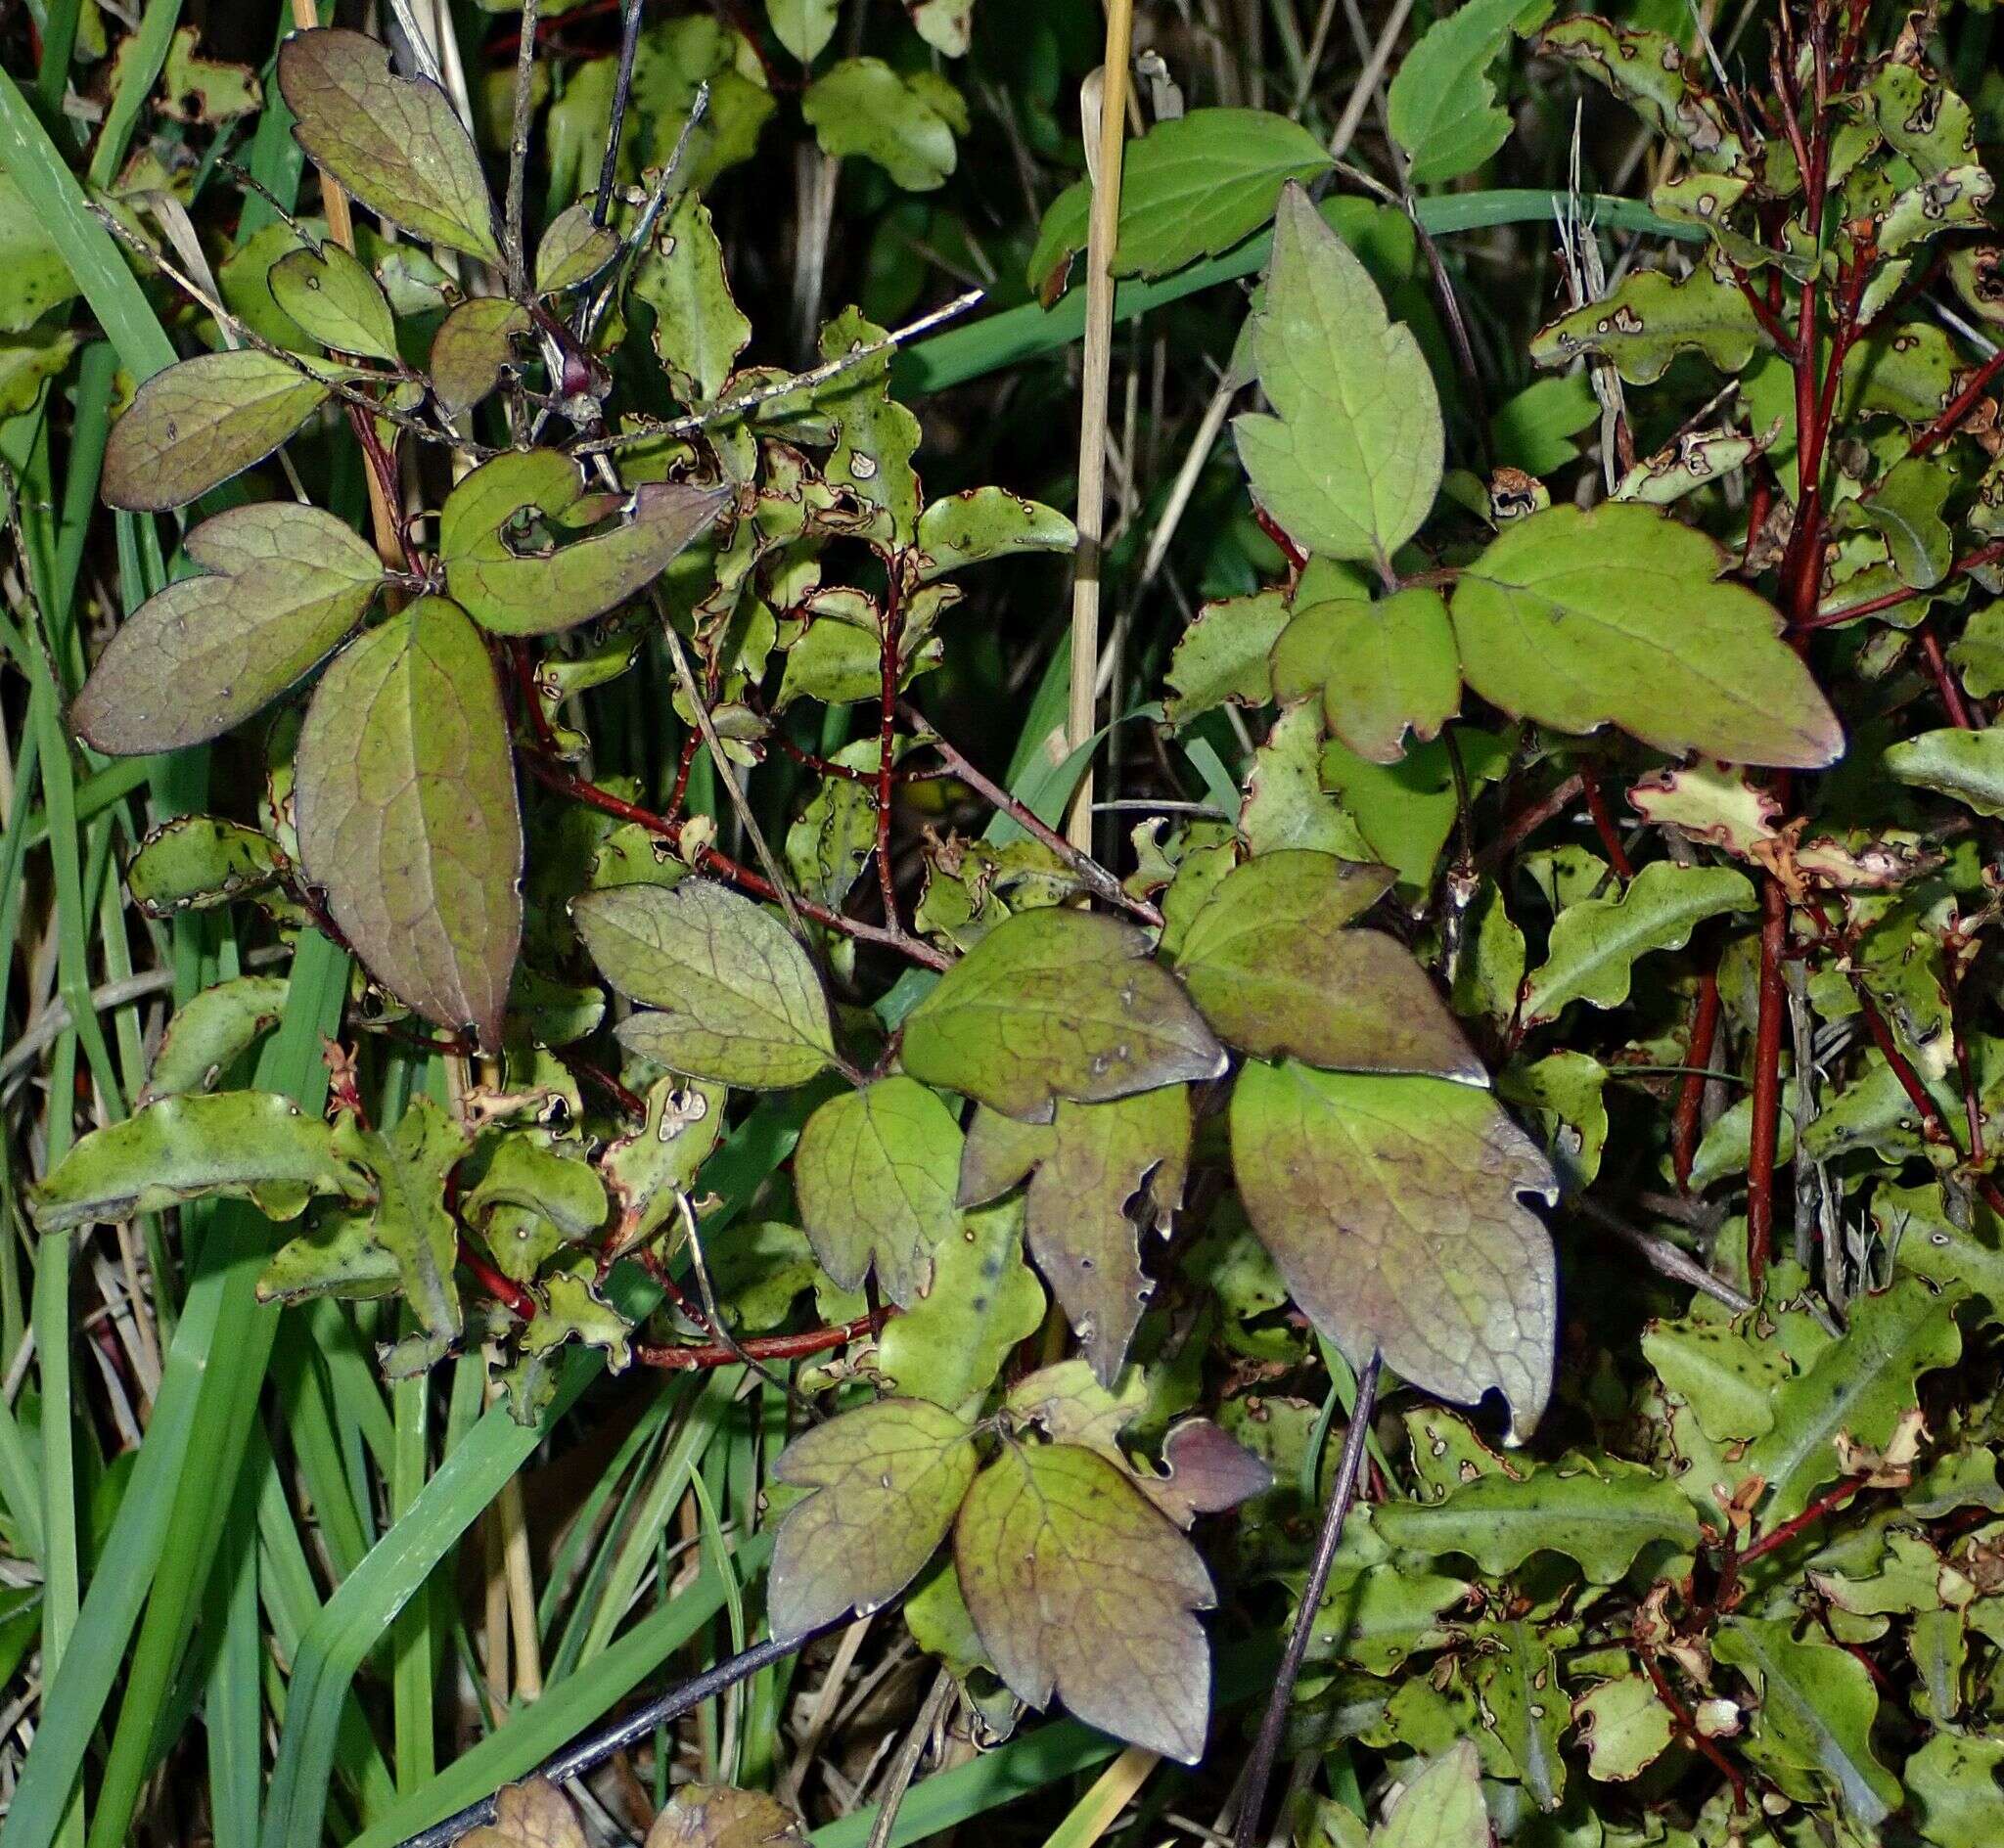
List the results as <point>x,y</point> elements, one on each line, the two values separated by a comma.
<point>407,814</point>
<point>282,584</point>
<point>195,425</point>
<point>885,1483</point>
<point>500,531</point>
<point>737,998</point>
<point>1394,1208</point>
<point>395,142</point>
<point>1058,1004</point>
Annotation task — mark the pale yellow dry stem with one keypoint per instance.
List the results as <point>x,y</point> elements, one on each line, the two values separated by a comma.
<point>1102,234</point>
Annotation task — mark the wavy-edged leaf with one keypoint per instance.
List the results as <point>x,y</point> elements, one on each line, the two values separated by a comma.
<point>239,1143</point>
<point>1275,972</point>
<point>1079,1586</point>
<point>737,999</point>
<point>211,1032</point>
<point>1563,619</point>
<point>333,297</point>
<point>194,424</point>
<point>408,818</point>
<point>1379,669</point>
<point>699,330</point>
<point>874,1174</point>
<point>1958,1253</point>
<point>1351,464</point>
<point>498,531</point>
<point>1598,1513</point>
<point>198,861</point>
<point>1648,318</point>
<point>1058,1004</point>
<point>1441,108</point>
<point>395,142</point>
<point>886,1482</point>
<point>1394,1208</point>
<point>1093,1170</point>
<point>986,523</point>
<point>1222,657</point>
<point>1597,942</point>
<point>281,585</point>
<point>535,1196</point>
<point>951,1345</point>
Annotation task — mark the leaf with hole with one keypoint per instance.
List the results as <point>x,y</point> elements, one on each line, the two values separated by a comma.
<point>986,523</point>
<point>332,296</point>
<point>198,861</point>
<point>699,330</point>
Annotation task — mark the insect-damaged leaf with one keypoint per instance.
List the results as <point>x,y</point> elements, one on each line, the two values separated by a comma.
<point>211,1032</point>
<point>1058,1004</point>
<point>407,814</point>
<point>243,1144</point>
<point>395,142</point>
<point>500,531</point>
<point>1599,1513</point>
<point>195,425</point>
<point>1078,1586</point>
<point>987,522</point>
<point>887,1481</point>
<point>198,861</point>
<point>738,1001</point>
<point>1549,631</point>
<point>1394,1208</point>
<point>721,1816</point>
<point>1379,669</point>
<point>1086,1167</point>
<point>874,1174</point>
<point>332,295</point>
<point>950,1345</point>
<point>1353,462</point>
<point>281,585</point>
<point>534,1198</point>
<point>698,331</point>
<point>1268,961</point>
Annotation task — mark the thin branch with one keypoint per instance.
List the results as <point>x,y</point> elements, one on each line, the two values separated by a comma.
<point>622,94</point>
<point>517,150</point>
<point>1671,1260</point>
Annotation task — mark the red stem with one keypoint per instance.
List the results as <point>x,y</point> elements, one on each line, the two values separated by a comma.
<point>1688,1726</point>
<point>1765,1139</point>
<point>892,641</point>
<point>768,1347</point>
<point>1823,1504</point>
<point>504,1291</point>
<point>1603,825</point>
<point>1691,1091</point>
<point>1959,407</point>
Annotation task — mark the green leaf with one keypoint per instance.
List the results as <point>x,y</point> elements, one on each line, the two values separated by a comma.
<point>195,425</point>
<point>1193,186</point>
<point>1276,974</point>
<point>1726,1376</point>
<point>574,250</point>
<point>737,1000</point>
<point>1817,1704</point>
<point>335,299</point>
<point>1565,1090</point>
<point>1953,1783</point>
<point>1857,1386</point>
<point>874,1175</point>
<point>1599,1513</point>
<point>1515,1675</point>
<point>281,585</point>
<point>210,1032</point>
<point>237,1143</point>
<point>472,347</point>
<point>883,1485</point>
<point>1381,669</point>
<point>1906,513</point>
<point>1441,106</point>
<point>1597,942</point>
<point>1393,1207</point>
<point>1353,462</point>
<point>1442,1808</point>
<point>1927,1241</point>
<point>1965,765</point>
<point>1549,632</point>
<point>1648,318</point>
<point>1624,1727</point>
<point>497,540</point>
<point>198,861</point>
<point>1646,69</point>
<point>1058,1004</point>
<point>1920,117</point>
<point>395,142</point>
<point>1078,1587</point>
<point>1093,1171</point>
<point>407,814</point>
<point>1405,811</point>
<point>698,329</point>
<point>1221,658</point>
<point>535,1195</point>
<point>986,523</point>
<point>645,1171</point>
<point>951,1344</point>
<point>803,26</point>
<point>33,277</point>
<point>863,106</point>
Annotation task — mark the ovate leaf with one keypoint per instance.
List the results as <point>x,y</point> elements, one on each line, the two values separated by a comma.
<point>1394,1208</point>
<point>1079,1586</point>
<point>195,425</point>
<point>1351,464</point>
<point>886,1482</point>
<point>1563,620</point>
<point>737,998</point>
<point>1965,765</point>
<point>533,1814</point>
<point>407,814</point>
<point>1441,106</point>
<point>574,250</point>
<point>803,26</point>
<point>1093,1170</point>
<point>1268,961</point>
<point>1223,656</point>
<point>281,585</point>
<point>875,1174</point>
<point>499,534</point>
<point>238,1144</point>
<point>214,1029</point>
<point>332,295</point>
<point>472,347</point>
<point>1624,1727</point>
<point>395,142</point>
<point>1058,1004</point>
<point>1378,669</point>
<point>1597,942</point>
<point>987,522</point>
<point>721,1816</point>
